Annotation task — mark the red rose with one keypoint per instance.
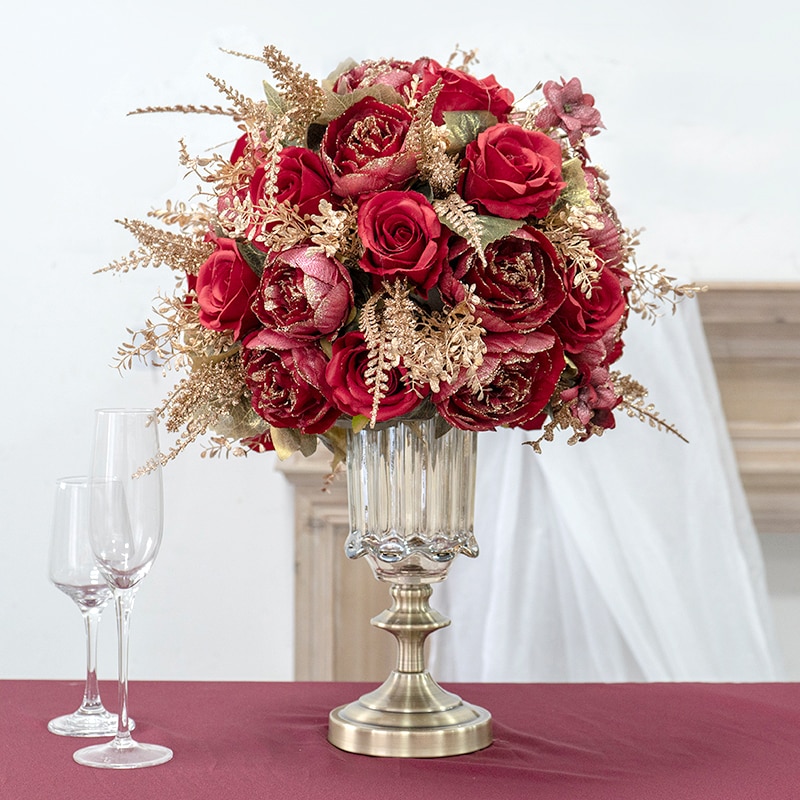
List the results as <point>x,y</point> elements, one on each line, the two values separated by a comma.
<point>225,288</point>
<point>520,287</point>
<point>301,180</point>
<point>463,92</point>
<point>512,172</point>
<point>348,389</point>
<point>402,237</point>
<point>303,296</point>
<point>363,149</point>
<point>285,386</point>
<point>583,319</point>
<point>518,376</point>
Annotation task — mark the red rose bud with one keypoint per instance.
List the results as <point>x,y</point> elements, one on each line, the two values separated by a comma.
<point>462,92</point>
<point>583,319</point>
<point>225,288</point>
<point>512,172</point>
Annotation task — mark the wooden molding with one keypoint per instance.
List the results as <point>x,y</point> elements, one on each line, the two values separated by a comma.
<point>753,333</point>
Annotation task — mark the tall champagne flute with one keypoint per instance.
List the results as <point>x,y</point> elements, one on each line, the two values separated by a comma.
<point>125,531</point>
<point>72,569</point>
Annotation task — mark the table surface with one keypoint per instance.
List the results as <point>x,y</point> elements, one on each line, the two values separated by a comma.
<point>246,741</point>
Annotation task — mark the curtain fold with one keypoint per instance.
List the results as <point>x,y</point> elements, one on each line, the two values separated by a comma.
<point>629,557</point>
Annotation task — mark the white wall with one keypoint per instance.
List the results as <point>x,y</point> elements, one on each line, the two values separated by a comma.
<point>697,100</point>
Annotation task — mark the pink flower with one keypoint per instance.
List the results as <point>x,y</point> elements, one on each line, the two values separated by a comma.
<point>386,72</point>
<point>303,296</point>
<point>594,394</point>
<point>569,108</point>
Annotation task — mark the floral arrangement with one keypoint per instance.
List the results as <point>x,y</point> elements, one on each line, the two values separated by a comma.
<point>398,240</point>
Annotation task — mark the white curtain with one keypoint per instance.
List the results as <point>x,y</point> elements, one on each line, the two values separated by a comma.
<point>631,557</point>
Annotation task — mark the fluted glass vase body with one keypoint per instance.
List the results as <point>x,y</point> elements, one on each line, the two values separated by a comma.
<point>411,489</point>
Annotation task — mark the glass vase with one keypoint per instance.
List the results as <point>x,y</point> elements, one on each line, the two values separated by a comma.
<point>411,492</point>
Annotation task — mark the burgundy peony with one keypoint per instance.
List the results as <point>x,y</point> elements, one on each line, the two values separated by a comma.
<point>303,296</point>
<point>462,92</point>
<point>402,237</point>
<point>569,108</point>
<point>363,149</point>
<point>285,386</point>
<point>348,389</point>
<point>583,319</point>
<point>225,287</point>
<point>518,377</point>
<point>386,72</point>
<point>512,172</point>
<point>520,286</point>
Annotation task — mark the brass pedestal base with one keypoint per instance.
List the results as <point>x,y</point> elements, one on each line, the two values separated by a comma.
<point>410,716</point>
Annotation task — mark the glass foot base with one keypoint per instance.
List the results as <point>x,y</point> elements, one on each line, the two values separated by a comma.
<point>131,755</point>
<point>86,723</point>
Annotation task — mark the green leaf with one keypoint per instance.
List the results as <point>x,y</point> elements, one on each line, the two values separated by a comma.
<point>288,440</point>
<point>576,193</point>
<point>337,104</point>
<point>359,423</point>
<point>494,228</point>
<point>464,126</point>
<point>253,257</point>
<point>274,98</point>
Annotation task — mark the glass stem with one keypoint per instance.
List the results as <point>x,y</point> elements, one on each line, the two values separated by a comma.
<point>123,599</point>
<point>91,693</point>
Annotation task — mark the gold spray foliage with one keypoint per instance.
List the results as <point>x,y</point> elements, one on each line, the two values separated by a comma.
<point>461,218</point>
<point>303,96</point>
<point>175,340</point>
<point>653,291</point>
<point>177,251</point>
<point>211,391</point>
<point>430,143</point>
<point>195,221</point>
<point>634,403</point>
<point>432,346</point>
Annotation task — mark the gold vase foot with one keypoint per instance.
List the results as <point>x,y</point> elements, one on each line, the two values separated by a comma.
<point>410,716</point>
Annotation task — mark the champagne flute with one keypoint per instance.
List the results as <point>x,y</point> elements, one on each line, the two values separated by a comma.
<point>72,569</point>
<point>125,527</point>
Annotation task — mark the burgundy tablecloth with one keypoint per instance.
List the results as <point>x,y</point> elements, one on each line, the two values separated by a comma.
<point>246,741</point>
